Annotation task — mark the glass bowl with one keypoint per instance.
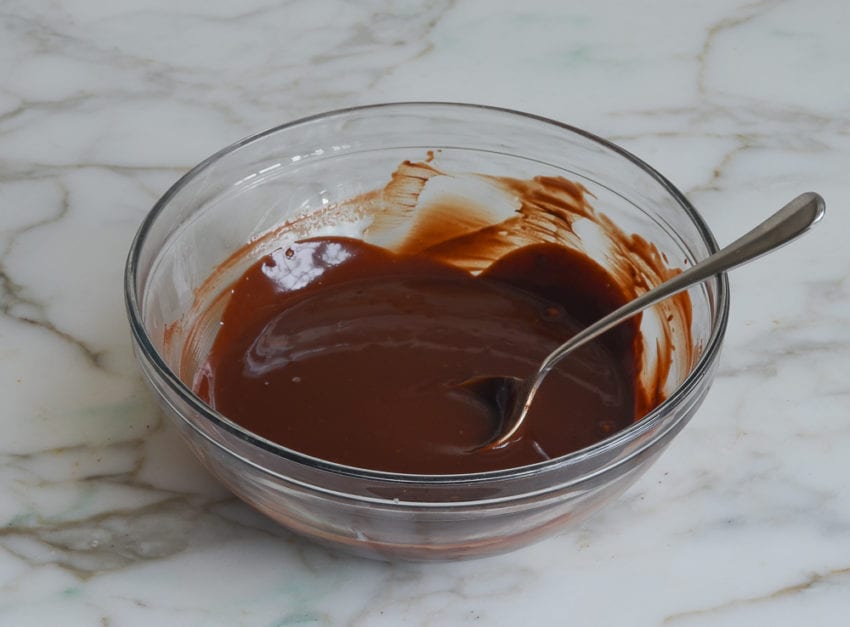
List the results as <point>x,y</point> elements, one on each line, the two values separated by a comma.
<point>291,175</point>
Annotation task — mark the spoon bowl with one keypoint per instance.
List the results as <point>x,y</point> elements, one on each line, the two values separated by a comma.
<point>510,397</point>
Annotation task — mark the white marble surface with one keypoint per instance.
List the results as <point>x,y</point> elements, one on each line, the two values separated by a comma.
<point>104,517</point>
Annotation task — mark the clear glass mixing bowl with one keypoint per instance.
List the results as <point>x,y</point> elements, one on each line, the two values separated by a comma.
<point>289,173</point>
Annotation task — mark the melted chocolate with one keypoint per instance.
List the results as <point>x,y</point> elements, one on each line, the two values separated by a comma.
<point>351,353</point>
<point>351,350</point>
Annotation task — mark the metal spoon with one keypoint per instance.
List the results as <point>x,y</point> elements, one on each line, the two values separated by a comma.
<point>511,397</point>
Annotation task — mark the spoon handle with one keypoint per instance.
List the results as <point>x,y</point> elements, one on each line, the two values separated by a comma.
<point>794,219</point>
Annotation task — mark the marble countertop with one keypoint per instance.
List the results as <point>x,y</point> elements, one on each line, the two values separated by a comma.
<point>107,519</point>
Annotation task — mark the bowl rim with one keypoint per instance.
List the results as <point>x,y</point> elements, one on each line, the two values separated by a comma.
<point>622,437</point>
